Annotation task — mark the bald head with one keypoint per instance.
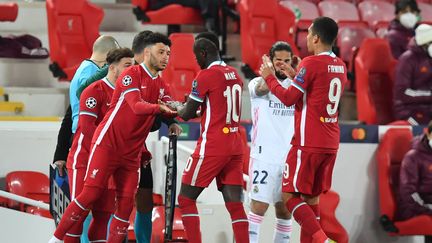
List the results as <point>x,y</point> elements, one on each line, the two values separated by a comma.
<point>104,44</point>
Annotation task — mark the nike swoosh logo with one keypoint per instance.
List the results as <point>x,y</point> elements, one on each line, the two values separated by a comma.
<point>108,104</point>
<point>143,87</point>
<point>285,184</point>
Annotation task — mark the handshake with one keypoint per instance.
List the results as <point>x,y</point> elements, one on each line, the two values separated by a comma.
<point>170,106</point>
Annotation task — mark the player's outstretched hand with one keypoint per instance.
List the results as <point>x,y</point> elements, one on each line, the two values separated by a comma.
<point>166,110</point>
<point>266,68</point>
<point>61,166</point>
<point>175,105</point>
<point>295,62</point>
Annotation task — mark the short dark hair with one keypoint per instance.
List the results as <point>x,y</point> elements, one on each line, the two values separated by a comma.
<point>116,55</point>
<point>279,46</point>
<point>209,36</point>
<point>326,29</point>
<point>206,45</point>
<point>403,4</point>
<point>138,42</point>
<point>155,38</point>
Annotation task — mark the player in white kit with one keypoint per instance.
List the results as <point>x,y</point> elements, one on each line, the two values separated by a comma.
<point>272,131</point>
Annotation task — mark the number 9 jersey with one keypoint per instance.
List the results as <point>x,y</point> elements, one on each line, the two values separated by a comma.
<point>219,89</point>
<point>321,78</point>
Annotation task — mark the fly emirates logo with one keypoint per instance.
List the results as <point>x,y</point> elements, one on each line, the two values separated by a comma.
<point>279,109</point>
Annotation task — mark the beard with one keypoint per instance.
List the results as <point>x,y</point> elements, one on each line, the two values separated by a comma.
<point>280,75</point>
<point>155,64</point>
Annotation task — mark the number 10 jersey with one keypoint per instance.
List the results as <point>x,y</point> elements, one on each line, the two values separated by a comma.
<point>321,78</point>
<point>219,89</point>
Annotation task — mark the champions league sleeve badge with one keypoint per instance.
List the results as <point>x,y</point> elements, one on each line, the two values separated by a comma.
<point>126,80</point>
<point>91,102</point>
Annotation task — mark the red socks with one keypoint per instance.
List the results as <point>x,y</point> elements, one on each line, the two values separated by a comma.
<point>240,221</point>
<point>305,238</point>
<point>306,217</point>
<point>98,226</point>
<point>190,218</point>
<point>120,222</point>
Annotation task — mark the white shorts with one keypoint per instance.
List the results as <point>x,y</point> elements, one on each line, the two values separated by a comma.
<point>265,181</point>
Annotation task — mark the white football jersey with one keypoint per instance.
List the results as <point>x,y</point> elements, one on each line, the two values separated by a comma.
<point>272,125</point>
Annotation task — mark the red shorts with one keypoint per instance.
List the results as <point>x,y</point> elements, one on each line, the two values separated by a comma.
<point>308,173</point>
<point>106,203</point>
<point>200,171</point>
<point>104,163</point>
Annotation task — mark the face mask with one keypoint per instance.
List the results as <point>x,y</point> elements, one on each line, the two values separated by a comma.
<point>408,20</point>
<point>430,50</point>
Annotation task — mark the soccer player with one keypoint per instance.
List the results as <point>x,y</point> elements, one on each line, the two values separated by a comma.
<point>94,104</point>
<point>315,91</point>
<point>272,131</point>
<point>217,90</point>
<point>118,140</point>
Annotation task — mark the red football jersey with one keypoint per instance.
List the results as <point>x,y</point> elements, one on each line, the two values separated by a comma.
<point>94,103</point>
<point>321,79</point>
<point>131,114</point>
<point>219,88</point>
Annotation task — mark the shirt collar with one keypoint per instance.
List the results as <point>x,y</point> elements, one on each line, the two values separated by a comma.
<point>148,71</point>
<point>107,82</point>
<point>221,63</point>
<point>329,53</point>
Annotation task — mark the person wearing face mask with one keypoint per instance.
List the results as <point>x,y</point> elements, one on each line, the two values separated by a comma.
<point>415,181</point>
<point>401,29</point>
<point>412,94</point>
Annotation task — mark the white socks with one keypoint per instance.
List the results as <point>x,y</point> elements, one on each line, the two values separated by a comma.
<point>55,240</point>
<point>254,227</point>
<point>282,233</point>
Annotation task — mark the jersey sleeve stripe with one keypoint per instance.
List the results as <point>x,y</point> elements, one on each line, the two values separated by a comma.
<point>298,87</point>
<point>88,113</point>
<point>130,90</point>
<point>195,98</point>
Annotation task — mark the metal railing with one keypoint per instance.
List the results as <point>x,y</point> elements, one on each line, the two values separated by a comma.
<point>24,200</point>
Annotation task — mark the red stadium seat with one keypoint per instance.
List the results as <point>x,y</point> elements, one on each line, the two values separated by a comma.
<point>374,75</point>
<point>395,143</point>
<point>329,223</point>
<point>170,14</point>
<point>30,184</point>
<point>72,30</point>
<point>309,12</point>
<point>8,11</point>
<point>344,13</point>
<point>262,23</point>
<point>159,225</point>
<point>349,40</point>
<point>182,67</point>
<point>376,13</point>
<point>426,12</point>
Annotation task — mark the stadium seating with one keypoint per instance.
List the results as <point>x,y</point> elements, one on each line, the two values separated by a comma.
<point>182,67</point>
<point>344,13</point>
<point>309,12</point>
<point>331,226</point>
<point>392,148</point>
<point>8,12</point>
<point>262,23</point>
<point>72,30</point>
<point>377,13</point>
<point>178,233</point>
<point>374,75</point>
<point>170,14</point>
<point>30,184</point>
<point>349,40</point>
<point>426,12</point>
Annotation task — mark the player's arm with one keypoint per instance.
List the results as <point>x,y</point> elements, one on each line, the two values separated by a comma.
<point>90,103</point>
<point>258,87</point>
<point>130,86</point>
<point>100,74</point>
<point>189,110</point>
